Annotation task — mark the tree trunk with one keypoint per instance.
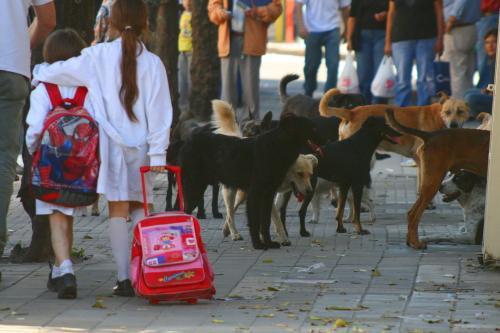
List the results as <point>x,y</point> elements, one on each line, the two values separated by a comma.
<point>205,66</point>
<point>164,26</point>
<point>79,15</point>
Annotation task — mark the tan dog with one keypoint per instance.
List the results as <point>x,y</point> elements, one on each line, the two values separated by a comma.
<point>451,113</point>
<point>441,151</point>
<point>485,119</point>
<point>298,177</point>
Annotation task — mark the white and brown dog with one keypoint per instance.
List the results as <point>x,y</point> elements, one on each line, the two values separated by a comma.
<point>298,177</point>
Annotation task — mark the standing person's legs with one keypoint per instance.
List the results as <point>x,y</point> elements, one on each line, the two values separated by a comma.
<point>13,92</point>
<point>312,61</point>
<point>120,242</point>
<point>425,81</point>
<point>183,77</point>
<point>250,78</point>
<point>364,64</point>
<point>378,41</point>
<point>229,72</point>
<point>459,45</point>
<point>332,42</point>
<point>62,275</point>
<point>403,54</point>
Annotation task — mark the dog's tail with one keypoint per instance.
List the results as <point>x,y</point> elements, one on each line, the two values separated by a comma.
<point>283,83</point>
<point>224,119</point>
<point>327,111</point>
<point>408,130</point>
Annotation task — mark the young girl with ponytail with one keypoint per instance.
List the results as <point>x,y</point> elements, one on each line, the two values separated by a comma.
<point>129,92</point>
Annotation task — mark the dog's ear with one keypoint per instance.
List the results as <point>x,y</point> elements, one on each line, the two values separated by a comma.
<point>443,97</point>
<point>289,122</point>
<point>313,159</point>
<point>266,121</point>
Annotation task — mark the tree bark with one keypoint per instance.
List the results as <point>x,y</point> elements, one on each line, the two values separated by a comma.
<point>164,26</point>
<point>205,66</point>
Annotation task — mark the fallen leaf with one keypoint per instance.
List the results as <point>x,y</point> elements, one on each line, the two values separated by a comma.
<point>272,289</point>
<point>5,309</point>
<point>88,237</point>
<point>265,315</point>
<point>217,321</point>
<point>267,261</point>
<point>376,273</point>
<point>340,323</point>
<point>99,304</point>
<point>314,318</point>
<point>292,316</point>
<point>345,308</point>
<point>282,325</point>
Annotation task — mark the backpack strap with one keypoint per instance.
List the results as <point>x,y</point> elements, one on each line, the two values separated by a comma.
<point>54,94</point>
<point>79,98</point>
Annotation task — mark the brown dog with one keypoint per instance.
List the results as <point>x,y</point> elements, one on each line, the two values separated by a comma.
<point>442,151</point>
<point>448,112</point>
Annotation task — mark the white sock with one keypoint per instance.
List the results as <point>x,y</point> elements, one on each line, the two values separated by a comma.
<point>136,215</point>
<point>118,236</point>
<point>66,267</point>
<point>56,272</point>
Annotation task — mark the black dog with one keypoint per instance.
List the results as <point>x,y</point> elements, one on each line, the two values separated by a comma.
<point>256,165</point>
<point>303,105</point>
<point>172,159</point>
<point>347,163</point>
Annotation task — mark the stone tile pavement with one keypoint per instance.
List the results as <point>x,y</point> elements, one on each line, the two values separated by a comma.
<point>373,283</point>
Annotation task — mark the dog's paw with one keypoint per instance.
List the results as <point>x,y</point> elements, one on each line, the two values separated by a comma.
<point>334,202</point>
<point>95,214</point>
<point>201,215</point>
<point>273,245</point>
<point>305,233</point>
<point>217,215</point>
<point>431,206</point>
<point>363,232</point>
<point>237,237</point>
<point>418,245</point>
<point>226,231</point>
<point>313,221</point>
<point>341,230</point>
<point>286,243</point>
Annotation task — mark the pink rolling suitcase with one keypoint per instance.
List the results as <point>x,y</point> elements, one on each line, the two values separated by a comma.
<point>169,261</point>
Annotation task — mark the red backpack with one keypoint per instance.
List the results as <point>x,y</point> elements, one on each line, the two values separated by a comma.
<point>169,261</point>
<point>66,163</point>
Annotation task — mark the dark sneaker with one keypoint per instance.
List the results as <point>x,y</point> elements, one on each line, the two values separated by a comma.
<point>66,286</point>
<point>124,288</point>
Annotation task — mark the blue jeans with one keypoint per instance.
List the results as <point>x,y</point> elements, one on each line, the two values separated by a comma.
<point>404,53</point>
<point>485,24</point>
<point>314,43</point>
<point>478,101</point>
<point>368,58</point>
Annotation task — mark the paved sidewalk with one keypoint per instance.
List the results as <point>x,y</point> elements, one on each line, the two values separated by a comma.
<point>372,283</point>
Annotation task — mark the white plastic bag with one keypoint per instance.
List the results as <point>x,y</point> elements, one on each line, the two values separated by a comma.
<point>384,83</point>
<point>348,80</point>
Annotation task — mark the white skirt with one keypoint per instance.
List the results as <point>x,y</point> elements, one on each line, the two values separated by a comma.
<point>45,208</point>
<point>123,177</point>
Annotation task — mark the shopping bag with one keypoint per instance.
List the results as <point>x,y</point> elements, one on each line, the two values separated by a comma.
<point>442,76</point>
<point>384,82</point>
<point>348,80</point>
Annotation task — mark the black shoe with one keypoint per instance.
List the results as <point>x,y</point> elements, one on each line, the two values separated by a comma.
<point>123,288</point>
<point>379,156</point>
<point>52,283</point>
<point>66,286</point>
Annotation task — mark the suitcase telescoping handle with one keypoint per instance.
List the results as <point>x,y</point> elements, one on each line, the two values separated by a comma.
<point>173,168</point>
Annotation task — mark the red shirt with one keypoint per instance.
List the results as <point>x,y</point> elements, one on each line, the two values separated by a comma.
<point>490,6</point>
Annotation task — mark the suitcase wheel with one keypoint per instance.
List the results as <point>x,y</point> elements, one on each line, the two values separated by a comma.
<point>154,301</point>
<point>192,301</point>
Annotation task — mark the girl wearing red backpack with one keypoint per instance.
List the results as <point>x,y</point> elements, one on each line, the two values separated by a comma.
<point>129,91</point>
<point>60,45</point>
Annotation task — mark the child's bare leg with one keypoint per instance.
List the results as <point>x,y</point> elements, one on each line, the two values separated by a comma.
<point>61,228</point>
